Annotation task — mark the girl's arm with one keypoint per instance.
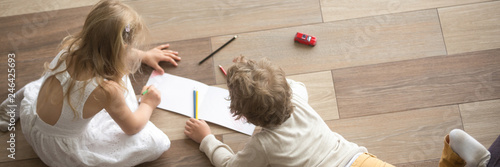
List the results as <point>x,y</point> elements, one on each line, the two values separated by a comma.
<point>156,55</point>
<point>130,122</point>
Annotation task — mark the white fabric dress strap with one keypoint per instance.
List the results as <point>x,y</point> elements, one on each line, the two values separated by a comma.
<point>68,123</point>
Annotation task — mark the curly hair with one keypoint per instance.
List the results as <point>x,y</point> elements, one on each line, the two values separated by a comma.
<point>259,92</point>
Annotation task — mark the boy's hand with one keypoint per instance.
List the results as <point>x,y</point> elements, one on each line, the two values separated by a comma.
<point>196,129</point>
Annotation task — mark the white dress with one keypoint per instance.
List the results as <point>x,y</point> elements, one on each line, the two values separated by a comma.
<point>95,141</point>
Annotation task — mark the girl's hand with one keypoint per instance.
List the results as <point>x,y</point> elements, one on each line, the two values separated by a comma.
<point>196,129</point>
<point>152,97</point>
<point>158,54</point>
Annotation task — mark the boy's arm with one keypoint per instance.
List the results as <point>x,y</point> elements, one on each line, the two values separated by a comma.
<point>221,154</point>
<point>298,89</point>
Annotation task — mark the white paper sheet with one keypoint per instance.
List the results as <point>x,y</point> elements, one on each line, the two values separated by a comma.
<point>213,102</point>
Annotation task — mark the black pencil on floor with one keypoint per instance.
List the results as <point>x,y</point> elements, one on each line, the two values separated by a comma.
<point>231,40</point>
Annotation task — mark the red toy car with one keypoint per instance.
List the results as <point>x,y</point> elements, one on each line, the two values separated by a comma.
<point>305,39</point>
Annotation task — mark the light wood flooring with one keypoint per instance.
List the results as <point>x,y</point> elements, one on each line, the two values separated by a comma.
<point>393,76</point>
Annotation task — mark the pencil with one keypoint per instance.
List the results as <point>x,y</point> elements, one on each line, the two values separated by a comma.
<point>194,103</point>
<point>196,112</point>
<point>146,91</point>
<point>231,40</point>
<point>222,69</point>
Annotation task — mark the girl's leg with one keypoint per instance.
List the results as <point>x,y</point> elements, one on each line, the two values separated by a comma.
<point>9,112</point>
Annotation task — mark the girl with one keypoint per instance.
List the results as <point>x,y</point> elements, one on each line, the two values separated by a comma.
<point>83,110</point>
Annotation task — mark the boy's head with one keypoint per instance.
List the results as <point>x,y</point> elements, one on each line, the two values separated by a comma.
<point>259,92</point>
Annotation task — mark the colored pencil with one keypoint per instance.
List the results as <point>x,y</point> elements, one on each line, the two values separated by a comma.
<point>231,40</point>
<point>222,69</point>
<point>194,103</point>
<point>196,115</point>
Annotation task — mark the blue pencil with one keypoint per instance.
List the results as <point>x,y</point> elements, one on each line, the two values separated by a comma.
<point>194,103</point>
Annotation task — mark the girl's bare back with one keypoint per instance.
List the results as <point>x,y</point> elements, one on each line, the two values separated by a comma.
<point>50,101</point>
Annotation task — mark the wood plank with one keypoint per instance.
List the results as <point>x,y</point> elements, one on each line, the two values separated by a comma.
<point>188,66</point>
<point>38,35</point>
<point>347,9</point>
<point>182,153</point>
<point>401,137</point>
<point>481,119</point>
<point>419,83</point>
<point>425,163</point>
<point>471,27</point>
<point>29,162</point>
<point>178,20</point>
<point>20,7</point>
<point>321,93</point>
<point>35,38</point>
<point>340,44</point>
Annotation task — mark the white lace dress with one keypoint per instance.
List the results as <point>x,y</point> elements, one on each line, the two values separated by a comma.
<point>96,141</point>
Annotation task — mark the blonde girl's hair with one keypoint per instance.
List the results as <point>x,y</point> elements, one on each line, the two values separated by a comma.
<point>259,92</point>
<point>103,46</point>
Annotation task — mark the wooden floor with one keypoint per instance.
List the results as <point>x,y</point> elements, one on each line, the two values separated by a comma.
<point>393,76</point>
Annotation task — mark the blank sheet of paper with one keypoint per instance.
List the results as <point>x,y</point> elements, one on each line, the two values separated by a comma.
<point>177,96</point>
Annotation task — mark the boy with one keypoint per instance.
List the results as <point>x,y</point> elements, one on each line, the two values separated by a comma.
<point>293,134</point>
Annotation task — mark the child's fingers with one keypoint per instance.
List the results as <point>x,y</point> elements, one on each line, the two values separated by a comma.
<point>158,69</point>
<point>187,133</point>
<point>144,88</point>
<point>169,59</point>
<point>164,46</point>
<point>173,55</point>
<point>190,122</point>
<point>152,88</point>
<point>172,61</point>
<point>188,128</point>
